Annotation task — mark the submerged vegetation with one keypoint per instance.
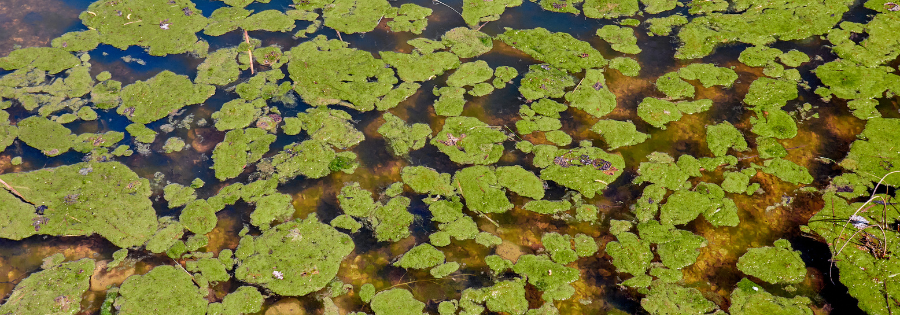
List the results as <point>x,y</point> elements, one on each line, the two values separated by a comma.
<point>373,156</point>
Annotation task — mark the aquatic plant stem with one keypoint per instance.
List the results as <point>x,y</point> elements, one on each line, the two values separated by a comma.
<point>444,4</point>
<point>13,190</point>
<point>249,51</point>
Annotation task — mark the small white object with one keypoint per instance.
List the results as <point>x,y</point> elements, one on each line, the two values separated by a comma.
<point>278,275</point>
<point>859,222</point>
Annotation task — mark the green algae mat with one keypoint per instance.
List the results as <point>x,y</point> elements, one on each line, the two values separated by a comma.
<point>454,157</point>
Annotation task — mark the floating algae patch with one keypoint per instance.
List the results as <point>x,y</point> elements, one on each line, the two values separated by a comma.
<point>268,20</point>
<point>163,289</point>
<point>778,264</point>
<point>167,235</point>
<point>219,68</point>
<point>787,171</point>
<point>776,124</point>
<point>476,11</point>
<point>559,246</point>
<point>620,39</point>
<point>586,169</point>
<point>173,144</point>
<point>52,60</point>
<point>401,137</point>
<point>682,250</point>
<point>426,180</point>
<point>626,66</point>
<point>418,66</point>
<point>51,138</point>
<point>237,114</point>
<point>520,181</point>
<point>879,46</point>
<point>767,93</point>
<point>263,85</point>
<point>663,26</point>
<point>619,133</point>
<point>244,300</point>
<point>331,126</point>
<point>409,18</point>
<point>178,195</point>
<point>81,199</point>
<point>545,81</point>
<point>306,255</point>
<point>470,73</point>
<point>239,149</point>
<point>163,27</point>
<point>224,20</point>
<point>421,257</point>
<point>659,6</point>
<point>657,112</point>
<point>674,87</point>
<point>275,207</point>
<point>143,103</point>
<point>609,9</point>
<point>759,25</point>
<point>630,254</point>
<point>327,72</point>
<point>391,221</point>
<point>479,186</point>
<point>867,156</point>
<point>77,41</point>
<point>759,56</point>
<point>592,95</point>
<point>749,298</point>
<point>396,301</point>
<point>847,80</point>
<point>198,217</point>
<point>356,201</point>
<point>670,298</point>
<point>467,43</point>
<point>724,136</point>
<point>662,169</point>
<point>547,206</point>
<point>355,16</point>
<point>560,50</point>
<point>543,273</point>
<point>57,290</point>
<point>708,74</point>
<point>311,158</point>
<point>451,101</point>
<point>467,140</point>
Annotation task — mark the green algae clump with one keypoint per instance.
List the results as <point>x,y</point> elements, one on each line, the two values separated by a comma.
<point>630,254</point>
<point>426,180</point>
<point>867,156</point>
<point>543,273</point>
<point>421,257</point>
<point>521,181</point>
<point>560,50</point>
<point>163,289</point>
<point>592,95</point>
<point>219,68</point>
<point>330,126</point>
<point>749,299</point>
<point>52,60</point>
<point>724,136</point>
<point>779,264</point>
<point>467,140</point>
<point>481,190</point>
<point>619,133</point>
<point>787,171</point>
<point>239,149</point>
<point>401,137</point>
<point>305,253</point>
<point>670,298</point>
<point>57,290</point>
<point>620,39</point>
<point>674,87</point>
<point>355,16</point>
<point>162,26</point>
<point>477,11</point>
<point>467,43</point>
<point>50,137</point>
<point>143,103</point>
<point>544,81</point>
<point>657,112</point>
<point>396,302</point>
<point>708,74</point>
<point>409,18</point>
<point>587,169</point>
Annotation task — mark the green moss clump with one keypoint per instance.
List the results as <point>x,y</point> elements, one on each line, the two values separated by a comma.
<point>467,140</point>
<point>476,11</point>
<point>620,39</point>
<point>670,298</point>
<point>543,273</point>
<point>558,137</point>
<point>619,133</point>
<point>766,93</point>
<point>467,43</point>
<point>470,73</point>
<point>51,138</point>
<point>268,20</point>
<point>327,72</point>
<point>143,103</point>
<point>173,144</point>
<point>630,254</point>
<point>674,87</point>
<point>609,9</point>
<point>788,171</point>
<point>311,158</point>
<point>356,201</point>
<point>263,85</point>
<point>306,252</point>
<point>421,257</point>
<point>559,50</point>
<point>708,74</point>
<point>244,300</point>
<point>82,199</point>
<point>418,66</point>
<point>777,124</point>
<point>163,288</point>
<point>867,156</point>
<point>330,126</point>
<point>396,302</point>
<point>238,113</point>
<point>444,270</point>
<point>77,41</point>
<point>684,206</point>
<point>793,58</point>
<point>162,27</point>
<point>850,81</point>
<point>723,136</point>
<point>545,81</point>
<point>779,264</point>
<point>57,290</point>
<point>355,16</point>
<point>521,181</point>
<point>274,207</point>
<point>446,211</point>
<point>167,235</point>
<point>587,169</point>
<point>878,47</point>
<point>560,247</point>
<point>392,220</point>
<point>239,149</point>
<point>759,25</point>
<point>663,26</point>
<point>759,56</point>
<point>591,95</point>
<point>198,217</point>
<point>682,250</point>
<point>451,101</point>
<point>409,18</point>
<point>504,75</point>
<point>661,169</point>
<point>658,112</point>
<point>224,20</point>
<point>749,298</point>
<point>346,222</point>
<point>481,190</point>
<point>401,137</point>
<point>548,206</point>
<point>659,6</point>
<point>219,68</point>
<point>735,182</point>
<point>627,66</point>
<point>52,60</point>
<point>425,180</point>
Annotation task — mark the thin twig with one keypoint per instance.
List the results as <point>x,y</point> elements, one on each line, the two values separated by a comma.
<point>13,190</point>
<point>249,51</point>
<point>339,35</point>
<point>444,4</point>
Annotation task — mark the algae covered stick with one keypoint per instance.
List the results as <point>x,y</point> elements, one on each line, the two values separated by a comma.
<point>249,51</point>
<point>13,190</point>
